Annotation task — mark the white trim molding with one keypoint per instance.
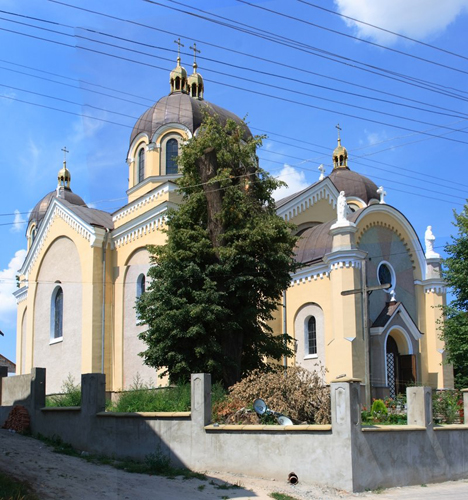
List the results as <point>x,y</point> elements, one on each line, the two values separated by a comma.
<point>21,294</point>
<point>153,195</point>
<point>321,190</point>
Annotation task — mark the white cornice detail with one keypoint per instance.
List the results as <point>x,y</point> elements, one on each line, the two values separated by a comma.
<point>310,273</point>
<point>344,258</point>
<point>169,127</point>
<point>21,294</point>
<point>90,233</point>
<point>141,226</point>
<point>168,187</point>
<point>435,285</point>
<point>322,190</point>
<point>154,178</point>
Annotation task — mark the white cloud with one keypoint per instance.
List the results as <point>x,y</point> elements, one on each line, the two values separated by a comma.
<point>294,179</point>
<point>18,223</point>
<point>418,19</point>
<point>8,286</point>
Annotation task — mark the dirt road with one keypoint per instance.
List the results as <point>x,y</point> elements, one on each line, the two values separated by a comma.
<point>57,476</point>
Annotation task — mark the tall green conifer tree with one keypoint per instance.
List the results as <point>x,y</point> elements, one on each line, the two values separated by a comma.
<point>219,278</point>
<point>455,325</point>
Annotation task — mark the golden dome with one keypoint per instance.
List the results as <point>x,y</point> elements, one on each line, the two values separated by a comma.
<point>178,78</point>
<point>64,176</point>
<point>195,84</point>
<point>340,156</point>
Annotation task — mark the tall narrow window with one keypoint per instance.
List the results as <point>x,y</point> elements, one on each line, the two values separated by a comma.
<point>141,165</point>
<point>141,285</point>
<point>57,314</point>
<point>312,335</point>
<point>172,151</point>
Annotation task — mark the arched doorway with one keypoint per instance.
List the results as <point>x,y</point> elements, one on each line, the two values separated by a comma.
<point>401,363</point>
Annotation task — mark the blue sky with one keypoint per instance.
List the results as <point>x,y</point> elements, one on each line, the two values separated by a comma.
<point>75,78</point>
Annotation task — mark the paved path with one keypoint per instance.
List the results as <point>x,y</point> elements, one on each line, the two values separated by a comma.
<point>57,476</point>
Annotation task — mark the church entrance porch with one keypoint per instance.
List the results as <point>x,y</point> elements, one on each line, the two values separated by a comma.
<point>401,368</point>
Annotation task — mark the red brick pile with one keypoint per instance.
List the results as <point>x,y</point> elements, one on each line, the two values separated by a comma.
<point>18,420</point>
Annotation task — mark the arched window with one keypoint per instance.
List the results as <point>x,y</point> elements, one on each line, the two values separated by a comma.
<point>172,151</point>
<point>56,314</point>
<point>141,164</point>
<point>312,336</point>
<point>141,285</point>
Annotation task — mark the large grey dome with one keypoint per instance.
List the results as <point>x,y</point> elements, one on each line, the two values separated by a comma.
<point>41,207</point>
<point>354,184</point>
<point>181,108</point>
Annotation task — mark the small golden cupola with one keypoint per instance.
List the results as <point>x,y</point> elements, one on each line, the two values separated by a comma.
<point>178,77</point>
<point>195,80</point>
<point>64,176</point>
<point>340,155</point>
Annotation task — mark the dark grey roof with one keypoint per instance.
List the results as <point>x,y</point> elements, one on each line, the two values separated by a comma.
<point>387,312</point>
<point>38,212</point>
<point>180,108</point>
<point>91,216</point>
<point>314,243</point>
<point>354,184</point>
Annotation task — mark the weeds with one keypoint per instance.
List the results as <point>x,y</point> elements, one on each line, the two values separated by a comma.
<point>142,397</point>
<point>225,486</point>
<point>70,396</point>
<point>13,489</point>
<point>282,496</point>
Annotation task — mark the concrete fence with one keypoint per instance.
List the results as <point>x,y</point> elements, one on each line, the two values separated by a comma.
<point>342,455</point>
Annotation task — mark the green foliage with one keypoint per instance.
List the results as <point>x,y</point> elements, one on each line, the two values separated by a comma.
<point>454,328</point>
<point>282,496</point>
<point>13,489</point>
<point>447,406</point>
<point>70,396</point>
<point>379,410</point>
<point>217,281</point>
<point>142,397</point>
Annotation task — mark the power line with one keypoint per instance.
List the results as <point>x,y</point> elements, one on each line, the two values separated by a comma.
<point>270,95</point>
<point>259,58</point>
<point>384,30</point>
<point>340,33</point>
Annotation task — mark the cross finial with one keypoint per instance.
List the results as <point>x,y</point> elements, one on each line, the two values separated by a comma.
<point>180,44</point>
<point>65,151</point>
<point>322,172</point>
<point>339,130</point>
<point>195,50</point>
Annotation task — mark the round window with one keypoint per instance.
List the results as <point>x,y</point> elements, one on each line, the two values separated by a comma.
<point>386,275</point>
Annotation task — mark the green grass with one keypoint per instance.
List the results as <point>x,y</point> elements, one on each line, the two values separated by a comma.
<point>225,486</point>
<point>71,395</point>
<point>282,496</point>
<point>141,397</point>
<point>12,489</point>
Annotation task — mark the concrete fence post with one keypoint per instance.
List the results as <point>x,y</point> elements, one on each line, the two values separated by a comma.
<point>345,405</point>
<point>465,406</point>
<point>419,401</point>
<point>201,399</point>
<point>3,374</point>
<point>38,388</point>
<point>93,393</point>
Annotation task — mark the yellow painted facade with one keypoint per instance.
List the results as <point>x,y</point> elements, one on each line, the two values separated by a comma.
<point>90,265</point>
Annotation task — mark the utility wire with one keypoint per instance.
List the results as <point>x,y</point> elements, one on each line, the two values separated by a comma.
<point>347,35</point>
<point>384,30</point>
<point>256,57</point>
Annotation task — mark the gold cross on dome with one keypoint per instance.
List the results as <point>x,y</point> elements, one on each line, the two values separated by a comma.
<point>65,151</point>
<point>180,44</point>
<point>195,50</point>
<point>339,129</point>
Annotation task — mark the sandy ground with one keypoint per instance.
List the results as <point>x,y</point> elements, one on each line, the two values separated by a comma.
<point>57,476</point>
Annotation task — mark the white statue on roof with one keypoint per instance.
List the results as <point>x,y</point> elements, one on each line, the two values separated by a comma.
<point>342,209</point>
<point>429,239</point>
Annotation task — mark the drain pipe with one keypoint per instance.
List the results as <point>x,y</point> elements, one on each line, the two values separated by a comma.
<point>285,323</point>
<point>103,330</point>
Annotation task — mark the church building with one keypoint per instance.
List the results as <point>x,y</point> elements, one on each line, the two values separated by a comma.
<point>362,263</point>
